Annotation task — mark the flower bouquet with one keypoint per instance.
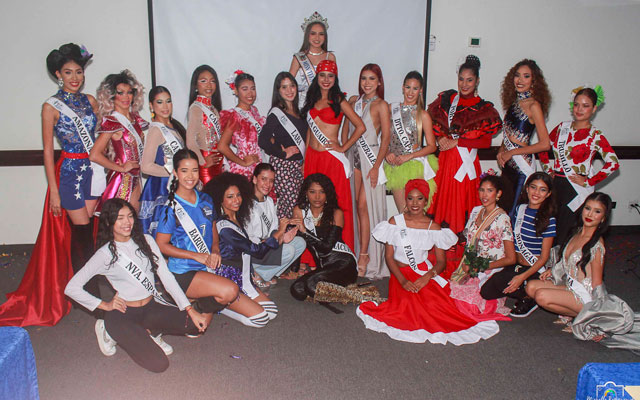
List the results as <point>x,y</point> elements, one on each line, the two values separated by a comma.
<point>476,263</point>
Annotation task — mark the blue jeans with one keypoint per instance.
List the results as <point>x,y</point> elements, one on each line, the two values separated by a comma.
<point>290,252</point>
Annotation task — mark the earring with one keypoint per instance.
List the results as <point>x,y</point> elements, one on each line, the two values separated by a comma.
<point>60,83</point>
<point>475,92</point>
<point>153,114</point>
<point>196,90</point>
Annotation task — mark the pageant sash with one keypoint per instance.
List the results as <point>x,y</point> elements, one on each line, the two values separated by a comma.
<point>290,128</point>
<point>170,146</point>
<point>323,139</point>
<point>519,159</point>
<point>213,120</point>
<point>582,191</point>
<point>405,140</point>
<point>408,252</point>
<point>579,289</point>
<point>366,149</point>
<point>192,230</point>
<point>138,275</point>
<point>307,67</point>
<point>517,234</point>
<point>467,155</point>
<point>452,112</point>
<point>99,177</point>
<point>247,285</point>
<point>247,115</point>
<point>124,121</point>
<point>338,246</point>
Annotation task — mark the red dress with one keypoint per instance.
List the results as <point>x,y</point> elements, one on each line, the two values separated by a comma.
<point>429,315</point>
<point>325,163</point>
<point>474,122</point>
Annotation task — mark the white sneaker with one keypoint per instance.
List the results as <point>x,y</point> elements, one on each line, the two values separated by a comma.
<point>105,342</point>
<point>166,347</point>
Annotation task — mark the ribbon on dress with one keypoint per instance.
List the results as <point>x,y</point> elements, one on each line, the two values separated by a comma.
<point>324,140</point>
<point>583,192</point>
<point>369,154</point>
<point>99,176</point>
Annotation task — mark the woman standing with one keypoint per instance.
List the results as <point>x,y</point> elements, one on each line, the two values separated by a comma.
<point>137,316</point>
<point>39,300</point>
<point>203,128</point>
<point>283,139</point>
<point>575,144</point>
<point>165,138</point>
<point>242,125</point>
<point>526,100</point>
<point>463,123</point>
<point>319,221</point>
<point>313,50</point>
<point>489,235</point>
<point>367,157</point>
<point>324,109</point>
<point>419,307</point>
<point>120,98</point>
<point>407,159</point>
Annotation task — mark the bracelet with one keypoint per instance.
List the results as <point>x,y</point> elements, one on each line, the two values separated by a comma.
<point>364,254</point>
<point>188,308</point>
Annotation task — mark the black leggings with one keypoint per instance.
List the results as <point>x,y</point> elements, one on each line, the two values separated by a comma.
<point>493,288</point>
<point>342,274</point>
<point>129,329</point>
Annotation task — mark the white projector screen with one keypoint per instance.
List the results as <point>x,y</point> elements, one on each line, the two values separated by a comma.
<point>260,38</point>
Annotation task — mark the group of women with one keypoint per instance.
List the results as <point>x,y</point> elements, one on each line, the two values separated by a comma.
<point>232,201</point>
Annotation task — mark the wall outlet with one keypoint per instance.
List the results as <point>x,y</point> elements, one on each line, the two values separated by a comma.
<point>633,204</point>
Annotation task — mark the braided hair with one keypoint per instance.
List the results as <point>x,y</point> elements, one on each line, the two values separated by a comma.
<point>182,154</point>
<point>108,218</point>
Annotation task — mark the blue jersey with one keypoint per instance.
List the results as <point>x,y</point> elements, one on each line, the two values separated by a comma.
<point>532,242</point>
<point>203,215</point>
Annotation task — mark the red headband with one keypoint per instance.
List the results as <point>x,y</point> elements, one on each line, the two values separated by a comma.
<point>328,66</point>
<point>420,184</point>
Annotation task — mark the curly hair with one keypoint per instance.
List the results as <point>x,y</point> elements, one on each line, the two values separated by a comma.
<point>539,89</point>
<point>108,218</point>
<point>330,191</point>
<point>217,187</point>
<point>107,92</point>
<point>547,208</point>
<point>606,202</point>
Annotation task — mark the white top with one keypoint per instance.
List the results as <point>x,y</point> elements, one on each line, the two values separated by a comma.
<point>128,289</point>
<point>256,227</point>
<point>421,240</point>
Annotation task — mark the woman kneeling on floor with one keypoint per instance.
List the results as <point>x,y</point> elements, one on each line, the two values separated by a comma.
<point>137,316</point>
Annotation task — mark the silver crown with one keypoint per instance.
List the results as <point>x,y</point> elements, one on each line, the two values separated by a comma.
<point>314,18</point>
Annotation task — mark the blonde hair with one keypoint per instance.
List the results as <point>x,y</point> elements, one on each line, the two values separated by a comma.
<point>107,91</point>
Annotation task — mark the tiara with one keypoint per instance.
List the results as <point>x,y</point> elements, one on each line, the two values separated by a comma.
<point>313,19</point>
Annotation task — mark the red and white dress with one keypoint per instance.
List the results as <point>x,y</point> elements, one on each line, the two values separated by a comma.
<point>429,315</point>
<point>245,140</point>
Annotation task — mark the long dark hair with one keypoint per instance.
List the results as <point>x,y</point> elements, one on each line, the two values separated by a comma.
<point>156,90</point>
<point>216,100</point>
<point>305,41</point>
<point>605,200</point>
<point>498,183</point>
<point>219,185</point>
<point>108,218</point>
<point>182,154</point>
<point>313,95</point>
<point>547,208</point>
<point>329,190</point>
<point>276,98</point>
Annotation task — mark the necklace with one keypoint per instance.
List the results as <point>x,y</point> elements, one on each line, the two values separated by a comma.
<point>367,101</point>
<point>315,219</point>
<point>316,54</point>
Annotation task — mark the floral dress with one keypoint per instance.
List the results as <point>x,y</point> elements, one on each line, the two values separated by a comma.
<point>244,140</point>
<point>490,244</point>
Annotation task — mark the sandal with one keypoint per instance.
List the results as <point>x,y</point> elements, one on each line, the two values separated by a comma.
<point>259,282</point>
<point>567,329</point>
<point>563,320</point>
<point>290,275</point>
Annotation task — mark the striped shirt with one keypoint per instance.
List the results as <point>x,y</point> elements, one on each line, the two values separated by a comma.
<point>528,231</point>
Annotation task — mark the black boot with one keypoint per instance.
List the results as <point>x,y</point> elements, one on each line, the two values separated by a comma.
<point>82,249</point>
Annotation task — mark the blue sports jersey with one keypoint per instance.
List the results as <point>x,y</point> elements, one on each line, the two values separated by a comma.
<point>203,215</point>
<point>528,232</point>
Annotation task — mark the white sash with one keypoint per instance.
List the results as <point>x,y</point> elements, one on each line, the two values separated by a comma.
<point>290,128</point>
<point>369,154</point>
<point>170,147</point>
<point>137,274</point>
<point>212,118</point>
<point>408,252</point>
<point>129,127</point>
<point>583,192</point>
<point>519,159</point>
<point>247,115</point>
<point>99,177</point>
<point>307,67</point>
<point>192,230</point>
<point>517,234</point>
<point>579,289</point>
<point>338,246</point>
<point>324,140</point>
<point>405,140</point>
<point>247,285</point>
<point>467,155</point>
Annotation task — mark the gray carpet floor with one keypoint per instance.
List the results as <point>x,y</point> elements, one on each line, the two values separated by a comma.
<point>308,352</point>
